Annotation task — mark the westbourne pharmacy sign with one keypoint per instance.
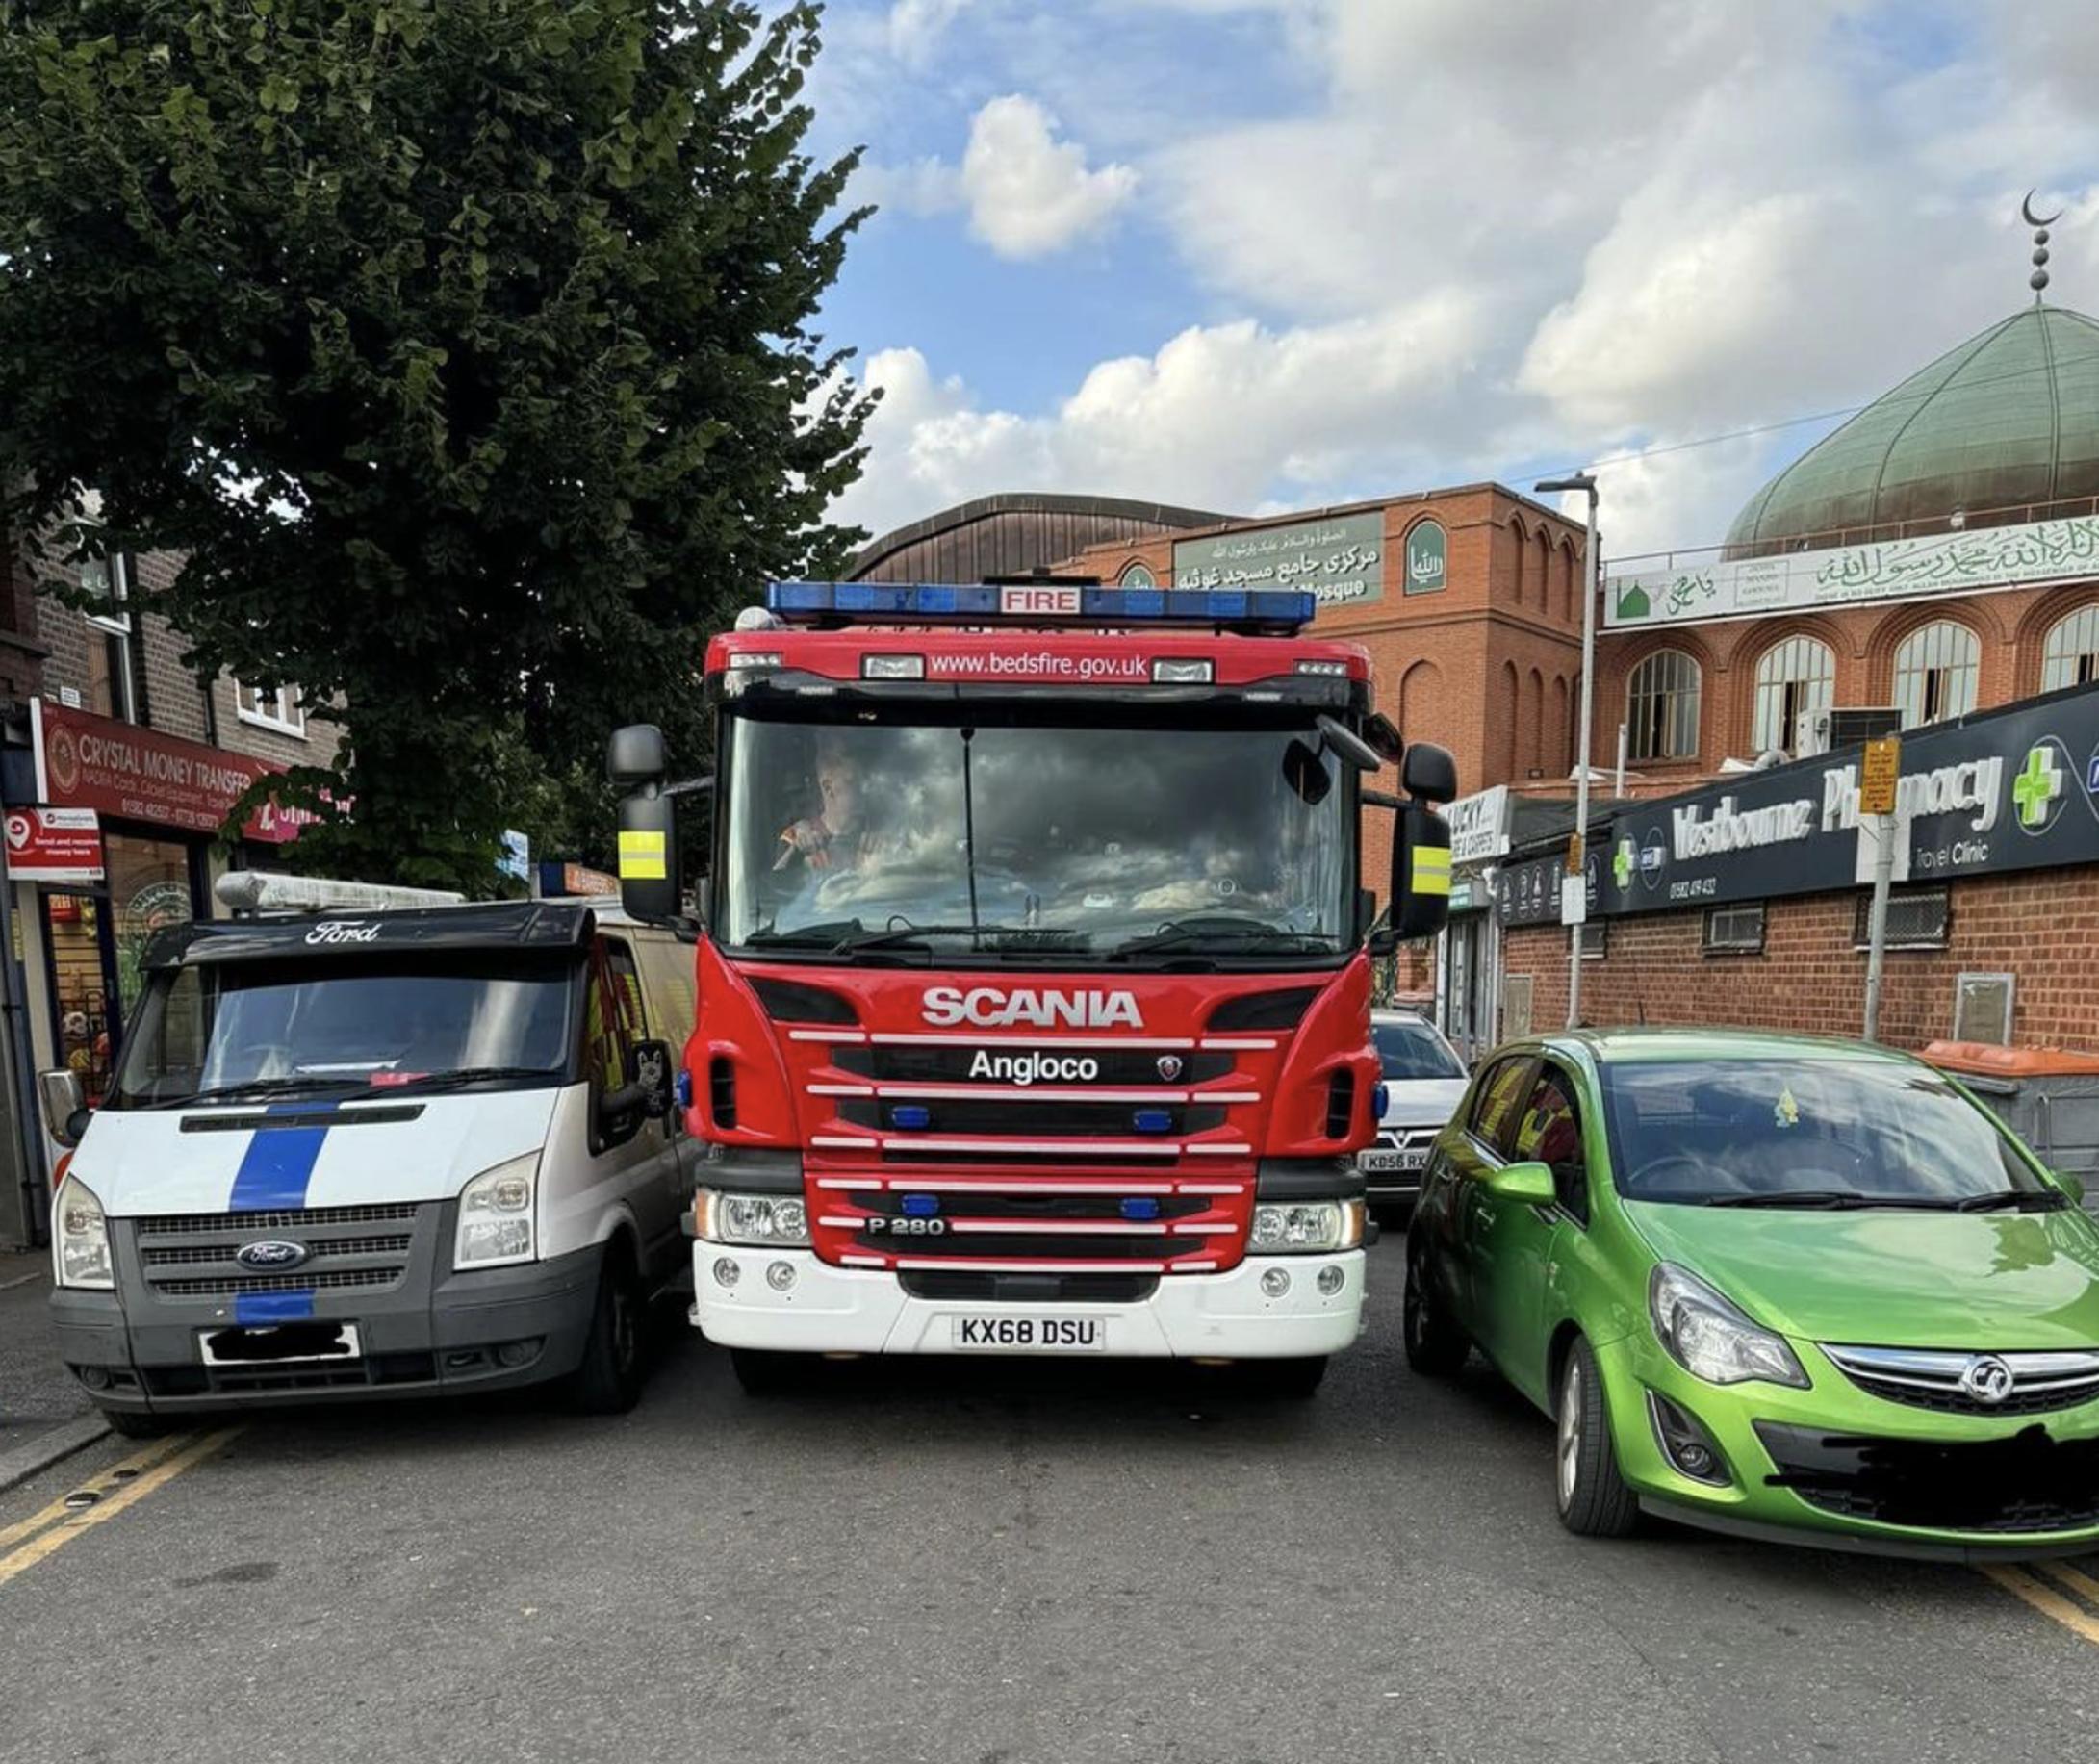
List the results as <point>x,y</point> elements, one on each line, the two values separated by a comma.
<point>1898,570</point>
<point>2006,790</point>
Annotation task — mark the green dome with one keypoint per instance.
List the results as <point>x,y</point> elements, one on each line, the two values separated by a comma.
<point>2010,417</point>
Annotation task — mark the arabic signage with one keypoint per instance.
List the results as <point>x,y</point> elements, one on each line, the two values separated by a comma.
<point>1341,559</point>
<point>135,773</point>
<point>1897,569</point>
<point>1428,558</point>
<point>1479,826</point>
<point>54,845</point>
<point>2007,790</point>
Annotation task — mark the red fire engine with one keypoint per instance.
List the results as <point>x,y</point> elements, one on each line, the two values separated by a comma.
<point>1034,972</point>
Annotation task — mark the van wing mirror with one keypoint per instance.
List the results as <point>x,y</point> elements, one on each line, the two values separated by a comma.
<point>1420,889</point>
<point>65,1105</point>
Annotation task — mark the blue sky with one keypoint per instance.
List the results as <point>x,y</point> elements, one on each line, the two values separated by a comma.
<point>1262,254</point>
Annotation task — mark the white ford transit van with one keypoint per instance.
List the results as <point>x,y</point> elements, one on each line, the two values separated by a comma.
<point>371,1154</point>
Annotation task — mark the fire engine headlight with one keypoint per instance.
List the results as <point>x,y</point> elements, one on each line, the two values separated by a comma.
<point>80,1238</point>
<point>496,1215</point>
<point>774,1221</point>
<point>1306,1228</point>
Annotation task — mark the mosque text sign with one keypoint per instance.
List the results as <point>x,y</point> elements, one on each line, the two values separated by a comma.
<point>1340,558</point>
<point>1894,570</point>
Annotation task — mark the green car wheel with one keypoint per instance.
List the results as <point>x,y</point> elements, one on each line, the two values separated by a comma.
<point>1593,1499</point>
<point>1436,1346</point>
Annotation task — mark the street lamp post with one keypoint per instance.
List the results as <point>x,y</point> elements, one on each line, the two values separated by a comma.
<point>1585,483</point>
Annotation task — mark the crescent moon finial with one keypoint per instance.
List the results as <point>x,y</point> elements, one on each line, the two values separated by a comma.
<point>2026,211</point>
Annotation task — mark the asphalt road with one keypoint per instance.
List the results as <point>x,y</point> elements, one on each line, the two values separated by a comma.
<point>991,1565</point>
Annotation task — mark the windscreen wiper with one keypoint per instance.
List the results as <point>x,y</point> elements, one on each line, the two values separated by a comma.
<point>262,1087</point>
<point>464,1075</point>
<point>895,934</point>
<point>1829,1200</point>
<point>1236,930</point>
<point>2022,1200</point>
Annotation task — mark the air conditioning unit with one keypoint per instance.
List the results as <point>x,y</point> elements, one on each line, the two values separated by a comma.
<point>1824,731</point>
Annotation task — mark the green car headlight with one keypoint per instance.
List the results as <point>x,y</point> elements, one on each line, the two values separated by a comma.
<point>1711,1337</point>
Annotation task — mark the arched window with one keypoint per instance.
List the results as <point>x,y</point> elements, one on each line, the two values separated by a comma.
<point>1794,679</point>
<point>1935,672</point>
<point>1661,707</point>
<point>1138,575</point>
<point>1523,556</point>
<point>2070,657</point>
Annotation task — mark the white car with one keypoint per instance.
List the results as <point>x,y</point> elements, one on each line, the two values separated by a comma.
<point>1424,1081</point>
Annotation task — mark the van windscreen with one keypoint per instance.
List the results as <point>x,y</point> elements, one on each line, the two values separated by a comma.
<point>232,1031</point>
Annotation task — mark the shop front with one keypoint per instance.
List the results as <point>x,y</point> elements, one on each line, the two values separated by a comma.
<point>118,844</point>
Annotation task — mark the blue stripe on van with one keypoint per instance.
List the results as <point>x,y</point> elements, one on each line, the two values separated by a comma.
<point>279,1162</point>
<point>272,1307</point>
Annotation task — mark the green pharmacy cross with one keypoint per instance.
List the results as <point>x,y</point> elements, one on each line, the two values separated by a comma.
<point>1622,864</point>
<point>2036,787</point>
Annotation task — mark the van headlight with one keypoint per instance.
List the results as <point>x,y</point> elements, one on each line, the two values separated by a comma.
<point>777,1221</point>
<point>496,1215</point>
<point>80,1238</point>
<point>1306,1227</point>
<point>1711,1337</point>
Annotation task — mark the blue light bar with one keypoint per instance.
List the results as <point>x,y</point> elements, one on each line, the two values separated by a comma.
<point>1276,610</point>
<point>910,1117</point>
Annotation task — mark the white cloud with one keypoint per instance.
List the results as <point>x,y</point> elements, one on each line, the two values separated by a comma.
<point>1027,193</point>
<point>1220,417</point>
<point>1030,194</point>
<point>916,26</point>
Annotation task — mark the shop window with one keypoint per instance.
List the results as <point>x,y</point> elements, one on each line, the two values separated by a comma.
<point>1917,919</point>
<point>2070,657</point>
<point>1794,681</point>
<point>1734,931</point>
<point>1935,671</point>
<point>273,707</point>
<point>1595,939</point>
<point>1662,707</point>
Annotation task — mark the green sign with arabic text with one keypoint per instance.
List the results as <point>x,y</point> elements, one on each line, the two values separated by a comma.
<point>1894,570</point>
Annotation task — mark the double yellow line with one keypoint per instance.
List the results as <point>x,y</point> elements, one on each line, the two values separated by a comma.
<point>2078,1613</point>
<point>44,1533</point>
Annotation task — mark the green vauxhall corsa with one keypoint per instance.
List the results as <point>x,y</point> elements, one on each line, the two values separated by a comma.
<point>1773,1285</point>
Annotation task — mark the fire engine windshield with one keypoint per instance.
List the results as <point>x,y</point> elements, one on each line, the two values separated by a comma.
<point>1103,843</point>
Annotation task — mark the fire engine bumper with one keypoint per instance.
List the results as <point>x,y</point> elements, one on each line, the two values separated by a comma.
<point>858,1311</point>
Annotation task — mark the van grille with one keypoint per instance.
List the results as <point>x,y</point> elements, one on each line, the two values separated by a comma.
<point>196,1255</point>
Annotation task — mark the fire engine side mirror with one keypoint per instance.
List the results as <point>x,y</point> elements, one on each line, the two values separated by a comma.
<point>1430,774</point>
<point>636,754</point>
<point>648,854</point>
<point>1421,871</point>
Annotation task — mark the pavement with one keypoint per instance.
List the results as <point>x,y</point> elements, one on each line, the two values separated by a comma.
<point>43,1415</point>
<point>1012,1563</point>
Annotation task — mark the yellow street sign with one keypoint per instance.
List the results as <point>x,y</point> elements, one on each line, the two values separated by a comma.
<point>1877,777</point>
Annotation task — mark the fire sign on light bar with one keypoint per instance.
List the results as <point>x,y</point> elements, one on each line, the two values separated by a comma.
<point>1275,611</point>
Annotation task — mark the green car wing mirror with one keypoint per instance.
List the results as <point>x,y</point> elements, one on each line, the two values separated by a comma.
<point>2072,1184</point>
<point>1530,1182</point>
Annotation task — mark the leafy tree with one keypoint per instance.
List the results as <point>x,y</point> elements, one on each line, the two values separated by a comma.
<point>463,346</point>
